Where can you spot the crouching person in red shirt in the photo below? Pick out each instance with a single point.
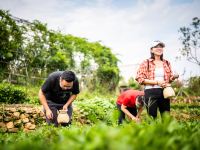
(130, 103)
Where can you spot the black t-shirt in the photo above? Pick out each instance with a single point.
(53, 92)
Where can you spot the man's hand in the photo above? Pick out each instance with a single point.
(49, 114)
(136, 119)
(65, 107)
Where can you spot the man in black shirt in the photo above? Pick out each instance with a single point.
(58, 92)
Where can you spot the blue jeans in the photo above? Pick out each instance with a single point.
(54, 107)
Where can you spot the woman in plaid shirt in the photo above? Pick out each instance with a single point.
(155, 74)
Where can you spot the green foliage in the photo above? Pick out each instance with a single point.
(96, 109)
(192, 88)
(37, 51)
(103, 133)
(157, 135)
(12, 95)
(59, 60)
(186, 113)
(108, 77)
(193, 85)
(11, 39)
(134, 84)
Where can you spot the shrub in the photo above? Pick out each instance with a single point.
(96, 109)
(193, 85)
(171, 134)
(12, 95)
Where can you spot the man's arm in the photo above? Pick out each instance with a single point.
(139, 112)
(123, 108)
(43, 101)
(71, 99)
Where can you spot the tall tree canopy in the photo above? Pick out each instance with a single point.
(30, 48)
(11, 40)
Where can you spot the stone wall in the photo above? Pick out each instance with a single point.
(16, 117)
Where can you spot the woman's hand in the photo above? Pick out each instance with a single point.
(162, 84)
(175, 76)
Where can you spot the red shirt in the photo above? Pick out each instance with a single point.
(128, 97)
(145, 73)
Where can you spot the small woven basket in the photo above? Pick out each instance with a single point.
(168, 92)
(63, 117)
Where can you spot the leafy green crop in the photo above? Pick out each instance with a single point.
(96, 109)
(167, 134)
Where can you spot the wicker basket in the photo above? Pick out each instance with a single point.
(62, 116)
(168, 92)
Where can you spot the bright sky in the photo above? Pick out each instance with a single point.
(126, 26)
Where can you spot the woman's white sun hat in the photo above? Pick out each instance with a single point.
(155, 43)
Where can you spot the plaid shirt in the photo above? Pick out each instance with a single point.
(148, 73)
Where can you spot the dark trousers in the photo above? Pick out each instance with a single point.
(154, 99)
(132, 110)
(54, 107)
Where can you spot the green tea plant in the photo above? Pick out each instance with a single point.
(96, 109)
(12, 95)
(166, 134)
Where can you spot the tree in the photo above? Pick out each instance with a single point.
(31, 49)
(11, 40)
(190, 39)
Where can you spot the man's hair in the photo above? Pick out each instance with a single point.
(140, 100)
(123, 88)
(68, 76)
